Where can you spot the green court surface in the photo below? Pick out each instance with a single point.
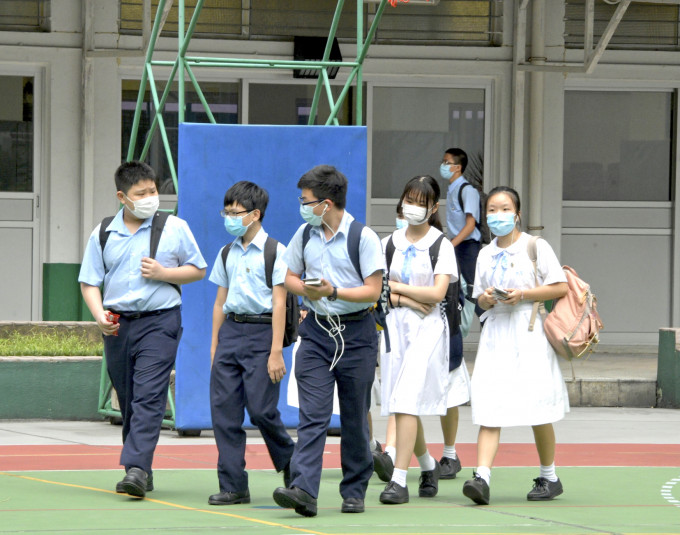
(596, 500)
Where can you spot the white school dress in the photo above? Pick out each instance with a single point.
(516, 379)
(415, 374)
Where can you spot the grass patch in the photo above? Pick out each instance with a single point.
(54, 344)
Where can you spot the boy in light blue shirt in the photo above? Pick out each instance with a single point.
(338, 343)
(247, 344)
(139, 311)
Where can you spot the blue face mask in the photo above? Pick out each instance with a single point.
(445, 171)
(501, 224)
(235, 226)
(401, 223)
(307, 213)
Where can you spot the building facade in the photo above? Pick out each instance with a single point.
(590, 139)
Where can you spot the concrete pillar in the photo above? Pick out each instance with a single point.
(668, 371)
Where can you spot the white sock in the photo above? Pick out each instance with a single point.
(392, 452)
(450, 452)
(485, 473)
(399, 477)
(548, 472)
(426, 462)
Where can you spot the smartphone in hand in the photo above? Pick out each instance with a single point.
(500, 294)
(312, 282)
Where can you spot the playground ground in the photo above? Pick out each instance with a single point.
(620, 468)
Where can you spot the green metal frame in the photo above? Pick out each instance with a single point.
(184, 64)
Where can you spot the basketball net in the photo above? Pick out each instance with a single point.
(393, 3)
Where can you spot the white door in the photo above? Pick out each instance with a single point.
(19, 197)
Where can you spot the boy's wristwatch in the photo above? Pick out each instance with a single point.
(334, 295)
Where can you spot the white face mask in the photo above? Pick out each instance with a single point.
(144, 208)
(415, 215)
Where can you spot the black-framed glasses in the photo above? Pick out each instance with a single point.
(303, 203)
(226, 213)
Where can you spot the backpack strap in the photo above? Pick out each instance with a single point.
(104, 235)
(353, 242)
(389, 254)
(269, 258)
(478, 224)
(225, 253)
(157, 224)
(434, 251)
(538, 306)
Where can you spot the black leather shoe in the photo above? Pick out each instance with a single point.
(295, 498)
(477, 490)
(394, 493)
(544, 489)
(230, 498)
(135, 482)
(149, 485)
(383, 466)
(286, 475)
(450, 467)
(428, 485)
(352, 505)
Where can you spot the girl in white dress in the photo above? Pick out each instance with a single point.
(415, 374)
(516, 379)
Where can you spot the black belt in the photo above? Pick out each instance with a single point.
(352, 316)
(250, 318)
(131, 315)
(469, 241)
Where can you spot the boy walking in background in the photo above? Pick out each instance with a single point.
(139, 311)
(247, 344)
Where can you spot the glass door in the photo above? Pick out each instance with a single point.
(19, 200)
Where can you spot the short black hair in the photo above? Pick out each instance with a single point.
(459, 157)
(130, 173)
(425, 187)
(326, 182)
(249, 195)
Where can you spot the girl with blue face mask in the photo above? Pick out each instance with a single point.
(517, 379)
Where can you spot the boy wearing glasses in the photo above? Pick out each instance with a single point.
(338, 340)
(247, 344)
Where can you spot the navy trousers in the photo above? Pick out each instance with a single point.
(466, 256)
(353, 375)
(139, 361)
(239, 380)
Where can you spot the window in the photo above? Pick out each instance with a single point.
(412, 127)
(643, 25)
(16, 134)
(24, 15)
(617, 146)
(467, 22)
(222, 98)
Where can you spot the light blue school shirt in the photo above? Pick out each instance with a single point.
(124, 287)
(245, 277)
(330, 260)
(455, 215)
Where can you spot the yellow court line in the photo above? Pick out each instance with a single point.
(170, 504)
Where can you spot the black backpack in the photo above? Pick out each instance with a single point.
(157, 225)
(290, 332)
(381, 307)
(453, 300)
(481, 224)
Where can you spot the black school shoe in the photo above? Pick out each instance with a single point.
(394, 494)
(477, 490)
(149, 485)
(352, 505)
(383, 466)
(450, 467)
(428, 484)
(230, 498)
(135, 482)
(295, 498)
(544, 490)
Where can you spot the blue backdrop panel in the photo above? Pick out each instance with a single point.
(211, 159)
